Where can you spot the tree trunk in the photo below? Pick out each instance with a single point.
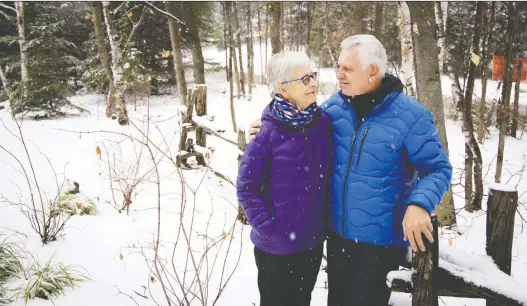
(501, 212)
(173, 28)
(429, 86)
(327, 38)
(471, 145)
(261, 51)
(24, 72)
(266, 32)
(515, 112)
(238, 30)
(8, 92)
(487, 54)
(407, 52)
(116, 95)
(250, 53)
(310, 9)
(441, 35)
(231, 85)
(195, 41)
(379, 7)
(225, 44)
(102, 49)
(506, 90)
(201, 110)
(275, 10)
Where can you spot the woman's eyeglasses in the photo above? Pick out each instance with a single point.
(305, 79)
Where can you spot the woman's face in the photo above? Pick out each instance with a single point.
(297, 92)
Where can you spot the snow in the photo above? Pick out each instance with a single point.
(96, 243)
(405, 275)
(502, 187)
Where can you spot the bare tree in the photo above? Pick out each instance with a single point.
(515, 112)
(250, 52)
(487, 54)
(407, 51)
(275, 10)
(225, 41)
(507, 88)
(261, 51)
(441, 15)
(189, 15)
(117, 94)
(238, 42)
(232, 59)
(429, 85)
(24, 72)
(102, 49)
(310, 11)
(174, 28)
(379, 7)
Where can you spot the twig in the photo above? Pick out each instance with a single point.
(125, 294)
(167, 14)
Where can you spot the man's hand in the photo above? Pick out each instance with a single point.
(254, 128)
(416, 222)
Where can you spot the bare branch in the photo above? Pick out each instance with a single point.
(7, 7)
(167, 14)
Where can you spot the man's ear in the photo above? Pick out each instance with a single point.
(374, 70)
(282, 90)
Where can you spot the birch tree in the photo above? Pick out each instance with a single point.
(407, 52)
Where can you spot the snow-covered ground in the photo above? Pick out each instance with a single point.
(107, 245)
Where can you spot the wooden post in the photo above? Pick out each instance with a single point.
(501, 210)
(201, 110)
(187, 119)
(242, 143)
(425, 278)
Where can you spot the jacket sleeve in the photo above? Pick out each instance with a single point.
(428, 157)
(250, 184)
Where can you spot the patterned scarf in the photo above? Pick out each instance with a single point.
(290, 114)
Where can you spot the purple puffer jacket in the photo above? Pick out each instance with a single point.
(283, 184)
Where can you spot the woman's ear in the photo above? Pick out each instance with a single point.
(282, 90)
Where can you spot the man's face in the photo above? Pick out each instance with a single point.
(352, 78)
(297, 92)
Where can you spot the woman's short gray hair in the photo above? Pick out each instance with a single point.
(370, 50)
(282, 65)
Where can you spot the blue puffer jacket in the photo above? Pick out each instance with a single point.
(391, 159)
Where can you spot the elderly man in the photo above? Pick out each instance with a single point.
(390, 171)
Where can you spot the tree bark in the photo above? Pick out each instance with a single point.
(275, 10)
(24, 71)
(501, 212)
(515, 112)
(117, 94)
(506, 90)
(425, 278)
(231, 85)
(441, 36)
(261, 51)
(201, 110)
(225, 41)
(197, 53)
(379, 7)
(238, 41)
(407, 51)
(8, 92)
(173, 28)
(250, 52)
(429, 86)
(102, 49)
(471, 145)
(310, 9)
(487, 54)
(266, 32)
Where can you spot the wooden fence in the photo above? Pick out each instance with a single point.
(427, 279)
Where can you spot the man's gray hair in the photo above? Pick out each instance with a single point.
(282, 65)
(370, 50)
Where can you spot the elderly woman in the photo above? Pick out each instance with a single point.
(283, 184)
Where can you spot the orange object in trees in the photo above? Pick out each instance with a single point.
(498, 68)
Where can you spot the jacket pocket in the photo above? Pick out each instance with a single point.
(362, 144)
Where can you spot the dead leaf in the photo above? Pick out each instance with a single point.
(475, 58)
(98, 152)
(166, 53)
(450, 242)
(79, 205)
(415, 29)
(404, 52)
(88, 17)
(152, 279)
(121, 256)
(224, 234)
(130, 14)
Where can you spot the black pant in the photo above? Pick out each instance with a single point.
(287, 280)
(357, 272)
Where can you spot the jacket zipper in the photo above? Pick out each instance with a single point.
(361, 144)
(344, 189)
